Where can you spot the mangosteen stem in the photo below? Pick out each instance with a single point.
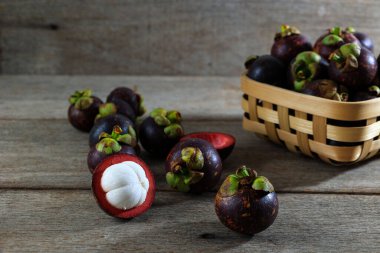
(110, 143)
(81, 99)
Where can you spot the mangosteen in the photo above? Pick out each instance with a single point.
(268, 69)
(246, 203)
(222, 142)
(325, 88)
(110, 144)
(364, 39)
(306, 67)
(289, 43)
(160, 131)
(250, 60)
(116, 105)
(193, 165)
(371, 93)
(123, 186)
(129, 96)
(106, 125)
(353, 66)
(83, 109)
(334, 38)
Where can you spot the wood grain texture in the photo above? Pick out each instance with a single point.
(67, 221)
(52, 154)
(160, 37)
(45, 97)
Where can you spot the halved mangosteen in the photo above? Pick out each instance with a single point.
(123, 186)
(222, 142)
(115, 143)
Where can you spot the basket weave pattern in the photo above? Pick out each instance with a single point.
(336, 132)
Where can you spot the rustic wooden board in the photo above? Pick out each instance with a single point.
(51, 154)
(160, 37)
(26, 97)
(67, 221)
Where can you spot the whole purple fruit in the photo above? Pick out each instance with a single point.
(160, 131)
(289, 43)
(353, 66)
(193, 165)
(246, 203)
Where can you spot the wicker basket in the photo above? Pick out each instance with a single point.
(337, 132)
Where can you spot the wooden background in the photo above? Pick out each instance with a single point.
(160, 37)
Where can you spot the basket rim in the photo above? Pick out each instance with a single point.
(351, 111)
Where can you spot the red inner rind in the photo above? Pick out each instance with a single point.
(217, 139)
(100, 195)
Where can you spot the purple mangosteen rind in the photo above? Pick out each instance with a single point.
(83, 109)
(288, 43)
(353, 66)
(246, 203)
(193, 165)
(161, 131)
(135, 100)
(326, 88)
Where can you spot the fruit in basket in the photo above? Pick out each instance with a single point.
(353, 66)
(83, 109)
(160, 131)
(332, 40)
(106, 125)
(250, 60)
(223, 143)
(268, 69)
(288, 43)
(325, 88)
(115, 143)
(246, 203)
(371, 93)
(306, 67)
(193, 165)
(130, 97)
(123, 186)
(364, 39)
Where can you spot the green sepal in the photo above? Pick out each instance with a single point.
(375, 90)
(142, 108)
(172, 179)
(350, 29)
(174, 116)
(81, 99)
(108, 146)
(331, 39)
(193, 158)
(173, 131)
(193, 177)
(105, 110)
(230, 186)
(350, 49)
(337, 30)
(157, 112)
(261, 183)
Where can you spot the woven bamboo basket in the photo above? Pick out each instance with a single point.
(339, 133)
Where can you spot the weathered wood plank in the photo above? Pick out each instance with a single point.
(160, 37)
(50, 153)
(36, 97)
(67, 221)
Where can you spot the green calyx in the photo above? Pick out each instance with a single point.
(337, 30)
(350, 29)
(106, 110)
(188, 171)
(346, 57)
(245, 177)
(142, 108)
(170, 120)
(81, 99)
(374, 90)
(111, 143)
(331, 40)
(287, 30)
(304, 68)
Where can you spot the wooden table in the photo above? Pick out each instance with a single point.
(46, 203)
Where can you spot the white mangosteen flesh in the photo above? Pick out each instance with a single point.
(125, 185)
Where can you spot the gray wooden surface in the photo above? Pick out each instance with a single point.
(46, 203)
(164, 37)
